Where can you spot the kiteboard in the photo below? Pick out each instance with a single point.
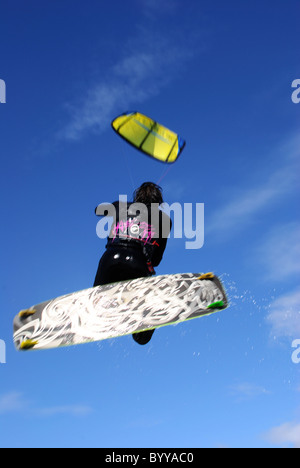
(118, 309)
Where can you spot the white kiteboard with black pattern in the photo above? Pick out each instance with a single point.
(118, 309)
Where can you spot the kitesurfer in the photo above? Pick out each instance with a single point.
(137, 241)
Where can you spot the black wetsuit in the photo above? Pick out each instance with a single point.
(135, 246)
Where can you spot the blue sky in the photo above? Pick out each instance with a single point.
(221, 74)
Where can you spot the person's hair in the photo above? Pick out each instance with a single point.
(148, 193)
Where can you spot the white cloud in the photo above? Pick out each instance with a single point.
(251, 201)
(15, 402)
(246, 390)
(286, 434)
(72, 410)
(11, 402)
(284, 315)
(143, 70)
(280, 252)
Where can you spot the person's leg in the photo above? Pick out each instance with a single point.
(143, 338)
(122, 265)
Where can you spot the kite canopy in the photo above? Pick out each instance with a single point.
(149, 136)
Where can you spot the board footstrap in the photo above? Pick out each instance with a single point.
(28, 344)
(26, 313)
(206, 276)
